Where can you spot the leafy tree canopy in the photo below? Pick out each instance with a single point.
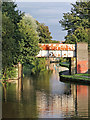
(8, 42)
(28, 41)
(43, 32)
(77, 23)
(10, 8)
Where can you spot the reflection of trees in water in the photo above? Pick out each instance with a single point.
(0, 100)
(41, 81)
(4, 92)
(21, 103)
(37, 99)
(9, 88)
(29, 98)
(67, 90)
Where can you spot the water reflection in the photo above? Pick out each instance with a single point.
(44, 96)
(0, 101)
(82, 100)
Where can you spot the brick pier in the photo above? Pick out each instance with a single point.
(82, 57)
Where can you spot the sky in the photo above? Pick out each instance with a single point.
(46, 1)
(49, 13)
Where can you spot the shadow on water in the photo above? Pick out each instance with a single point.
(44, 96)
(76, 83)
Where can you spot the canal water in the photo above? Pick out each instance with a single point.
(44, 96)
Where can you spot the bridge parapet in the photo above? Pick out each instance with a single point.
(53, 46)
(57, 50)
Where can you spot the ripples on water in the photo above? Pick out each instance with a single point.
(44, 96)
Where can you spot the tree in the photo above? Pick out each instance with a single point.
(10, 8)
(8, 43)
(28, 40)
(77, 23)
(10, 38)
(11, 11)
(54, 41)
(43, 32)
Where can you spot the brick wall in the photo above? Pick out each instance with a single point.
(82, 57)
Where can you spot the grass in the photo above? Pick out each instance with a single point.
(64, 65)
(83, 74)
(77, 77)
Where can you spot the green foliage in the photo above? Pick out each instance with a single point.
(37, 65)
(10, 72)
(43, 32)
(64, 64)
(28, 41)
(54, 41)
(10, 38)
(8, 42)
(20, 37)
(77, 23)
(30, 21)
(64, 59)
(10, 8)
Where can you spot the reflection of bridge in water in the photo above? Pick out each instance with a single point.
(56, 68)
(75, 102)
(45, 96)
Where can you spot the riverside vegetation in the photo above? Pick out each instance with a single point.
(21, 34)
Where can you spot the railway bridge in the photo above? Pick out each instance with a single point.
(77, 53)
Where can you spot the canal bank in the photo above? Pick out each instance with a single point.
(83, 78)
(77, 78)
